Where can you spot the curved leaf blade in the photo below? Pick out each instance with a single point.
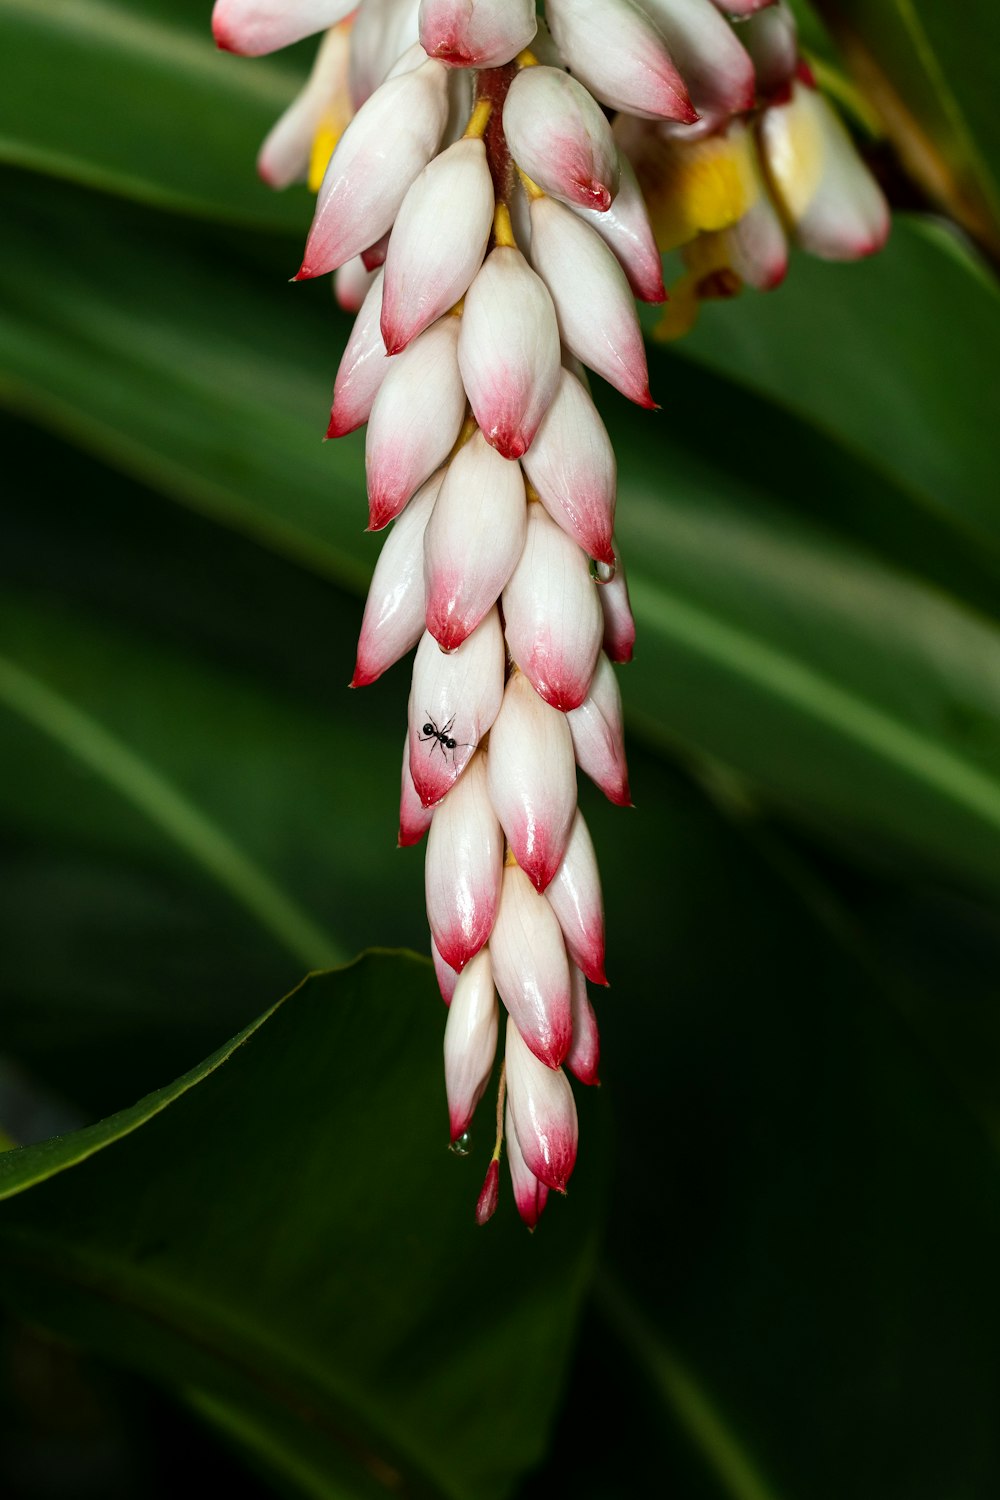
(230, 1236)
(178, 125)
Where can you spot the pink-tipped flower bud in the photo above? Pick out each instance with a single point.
(596, 312)
(712, 62)
(509, 350)
(754, 247)
(619, 625)
(384, 31)
(574, 894)
(476, 33)
(394, 614)
(325, 101)
(552, 614)
(351, 285)
(254, 27)
(561, 138)
(454, 699)
(530, 969)
(621, 57)
(627, 232)
(438, 241)
(771, 38)
(824, 190)
(473, 540)
(375, 255)
(462, 870)
(544, 1113)
(446, 977)
(571, 464)
(530, 1195)
(598, 735)
(532, 779)
(489, 1194)
(414, 817)
(387, 144)
(363, 367)
(470, 1041)
(415, 419)
(741, 8)
(584, 1057)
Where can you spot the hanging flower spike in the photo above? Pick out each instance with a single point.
(489, 228)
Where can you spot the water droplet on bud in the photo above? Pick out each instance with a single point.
(463, 1145)
(602, 572)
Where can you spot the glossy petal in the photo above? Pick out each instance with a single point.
(470, 1041)
(383, 150)
(473, 541)
(756, 248)
(509, 351)
(254, 27)
(771, 38)
(351, 285)
(712, 61)
(575, 896)
(489, 1194)
(561, 138)
(826, 193)
(462, 871)
(476, 33)
(374, 256)
(414, 817)
(362, 369)
(620, 56)
(597, 318)
(415, 419)
(597, 732)
(394, 614)
(325, 100)
(530, 1195)
(530, 969)
(438, 242)
(741, 8)
(384, 31)
(619, 625)
(626, 230)
(552, 614)
(571, 464)
(544, 1113)
(532, 779)
(446, 977)
(463, 690)
(584, 1057)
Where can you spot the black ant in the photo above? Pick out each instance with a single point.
(441, 736)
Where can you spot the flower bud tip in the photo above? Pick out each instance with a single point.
(489, 1194)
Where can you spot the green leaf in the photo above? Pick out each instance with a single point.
(178, 125)
(930, 73)
(805, 1217)
(912, 330)
(283, 1236)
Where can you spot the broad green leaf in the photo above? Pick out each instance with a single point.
(929, 69)
(894, 358)
(283, 1237)
(805, 1221)
(131, 96)
(112, 911)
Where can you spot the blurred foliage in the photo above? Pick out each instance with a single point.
(774, 1274)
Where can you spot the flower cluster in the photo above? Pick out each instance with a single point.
(486, 224)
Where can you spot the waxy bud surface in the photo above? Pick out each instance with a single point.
(531, 970)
